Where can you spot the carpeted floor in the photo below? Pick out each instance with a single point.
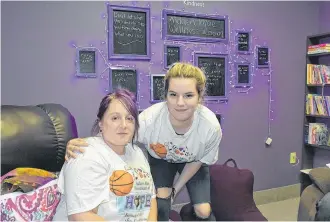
(285, 210)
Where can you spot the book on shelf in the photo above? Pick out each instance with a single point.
(318, 74)
(316, 134)
(317, 105)
(320, 48)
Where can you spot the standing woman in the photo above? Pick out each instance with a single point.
(181, 135)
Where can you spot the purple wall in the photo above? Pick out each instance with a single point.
(38, 65)
(324, 17)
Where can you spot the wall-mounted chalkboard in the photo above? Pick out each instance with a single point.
(123, 78)
(157, 88)
(194, 27)
(262, 57)
(243, 42)
(129, 32)
(215, 69)
(243, 75)
(86, 63)
(172, 54)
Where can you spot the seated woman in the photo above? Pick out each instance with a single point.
(111, 180)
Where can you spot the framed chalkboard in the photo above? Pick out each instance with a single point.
(86, 62)
(194, 27)
(157, 88)
(243, 74)
(172, 54)
(123, 78)
(215, 68)
(243, 42)
(129, 32)
(262, 57)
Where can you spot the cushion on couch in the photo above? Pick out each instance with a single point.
(321, 178)
(25, 179)
(37, 205)
(307, 204)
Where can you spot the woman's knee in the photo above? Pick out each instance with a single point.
(202, 210)
(164, 192)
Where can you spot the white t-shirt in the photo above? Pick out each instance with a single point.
(94, 178)
(200, 143)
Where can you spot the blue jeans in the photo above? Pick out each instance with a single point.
(163, 174)
(323, 209)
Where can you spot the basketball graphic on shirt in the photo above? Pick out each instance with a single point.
(121, 182)
(159, 149)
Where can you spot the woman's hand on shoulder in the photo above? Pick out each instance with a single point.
(73, 146)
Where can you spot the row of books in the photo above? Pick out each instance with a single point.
(316, 134)
(320, 48)
(317, 105)
(318, 74)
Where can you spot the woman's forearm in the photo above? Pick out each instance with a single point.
(153, 210)
(86, 216)
(188, 172)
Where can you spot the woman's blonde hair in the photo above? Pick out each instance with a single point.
(186, 70)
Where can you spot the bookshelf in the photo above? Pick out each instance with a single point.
(308, 151)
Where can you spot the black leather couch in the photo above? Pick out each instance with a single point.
(35, 136)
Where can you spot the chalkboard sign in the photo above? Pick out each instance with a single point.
(243, 42)
(214, 67)
(123, 78)
(262, 57)
(172, 55)
(243, 74)
(157, 87)
(194, 27)
(129, 33)
(86, 63)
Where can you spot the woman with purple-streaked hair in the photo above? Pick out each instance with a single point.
(111, 180)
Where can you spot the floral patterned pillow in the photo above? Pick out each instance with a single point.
(39, 204)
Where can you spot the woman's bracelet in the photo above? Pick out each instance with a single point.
(173, 192)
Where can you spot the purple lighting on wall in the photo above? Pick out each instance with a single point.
(189, 49)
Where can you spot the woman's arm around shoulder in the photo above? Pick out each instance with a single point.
(86, 216)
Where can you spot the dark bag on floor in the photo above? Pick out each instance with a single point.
(232, 193)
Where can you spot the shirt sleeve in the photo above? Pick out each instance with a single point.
(212, 147)
(85, 185)
(142, 128)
